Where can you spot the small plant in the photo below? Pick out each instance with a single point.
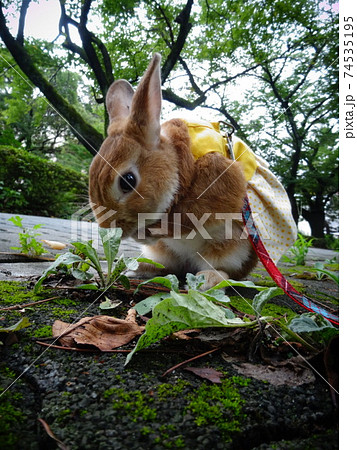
(27, 237)
(299, 251)
(321, 272)
(83, 257)
(174, 311)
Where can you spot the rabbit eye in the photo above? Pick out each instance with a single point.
(127, 182)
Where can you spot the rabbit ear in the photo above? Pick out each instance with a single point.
(119, 99)
(146, 106)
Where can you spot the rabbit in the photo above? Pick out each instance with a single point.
(144, 167)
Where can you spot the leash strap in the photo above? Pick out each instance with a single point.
(275, 273)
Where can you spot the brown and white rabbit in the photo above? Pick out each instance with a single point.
(144, 167)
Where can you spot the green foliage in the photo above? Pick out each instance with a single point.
(28, 119)
(37, 186)
(84, 256)
(332, 242)
(196, 309)
(270, 309)
(43, 332)
(263, 297)
(176, 311)
(321, 271)
(27, 237)
(299, 250)
(313, 328)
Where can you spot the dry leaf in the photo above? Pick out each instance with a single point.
(184, 335)
(48, 430)
(104, 332)
(292, 375)
(205, 372)
(55, 245)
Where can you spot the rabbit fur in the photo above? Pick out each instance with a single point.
(145, 167)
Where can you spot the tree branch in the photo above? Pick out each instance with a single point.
(185, 27)
(23, 11)
(168, 95)
(84, 132)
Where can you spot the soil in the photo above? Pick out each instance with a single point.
(87, 399)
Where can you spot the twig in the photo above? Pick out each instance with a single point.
(183, 363)
(48, 430)
(26, 305)
(96, 350)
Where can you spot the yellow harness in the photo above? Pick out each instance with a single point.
(206, 138)
(267, 197)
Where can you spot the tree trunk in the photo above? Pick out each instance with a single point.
(290, 190)
(85, 133)
(316, 219)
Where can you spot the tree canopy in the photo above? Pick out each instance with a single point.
(269, 67)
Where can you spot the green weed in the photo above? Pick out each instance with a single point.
(299, 250)
(29, 245)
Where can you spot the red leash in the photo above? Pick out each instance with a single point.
(275, 273)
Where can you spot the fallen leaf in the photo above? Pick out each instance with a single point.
(184, 335)
(55, 245)
(277, 375)
(207, 373)
(48, 430)
(22, 323)
(104, 332)
(109, 304)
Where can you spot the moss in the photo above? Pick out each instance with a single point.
(170, 390)
(219, 405)
(62, 313)
(16, 292)
(269, 309)
(64, 415)
(334, 267)
(42, 332)
(134, 403)
(11, 415)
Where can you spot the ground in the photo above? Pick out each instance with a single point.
(90, 400)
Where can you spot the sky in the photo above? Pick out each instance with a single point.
(41, 19)
(49, 10)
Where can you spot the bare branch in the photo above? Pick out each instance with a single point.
(185, 26)
(23, 12)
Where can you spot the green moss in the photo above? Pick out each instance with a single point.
(334, 267)
(62, 313)
(145, 430)
(11, 415)
(14, 292)
(64, 415)
(219, 405)
(134, 403)
(170, 390)
(42, 332)
(270, 309)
